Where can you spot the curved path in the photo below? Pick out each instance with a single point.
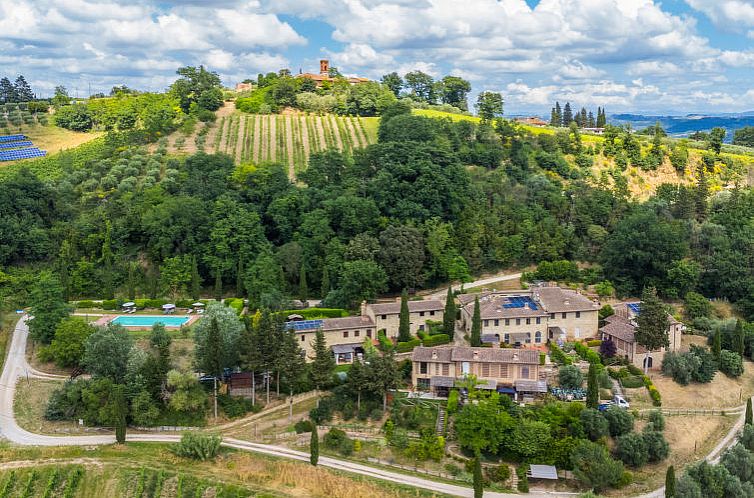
(17, 367)
(440, 293)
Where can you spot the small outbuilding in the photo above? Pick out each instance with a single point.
(542, 472)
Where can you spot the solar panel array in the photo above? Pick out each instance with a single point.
(12, 138)
(15, 145)
(14, 155)
(304, 325)
(635, 307)
(520, 302)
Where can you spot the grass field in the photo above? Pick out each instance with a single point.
(285, 138)
(53, 139)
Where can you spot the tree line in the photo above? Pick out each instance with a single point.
(583, 118)
(15, 92)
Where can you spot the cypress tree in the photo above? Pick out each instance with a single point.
(670, 482)
(740, 338)
(239, 278)
(449, 316)
(716, 345)
(554, 119)
(218, 285)
(303, 287)
(592, 388)
(478, 481)
(119, 413)
(195, 279)
(131, 281)
(314, 445)
(476, 325)
(748, 420)
(559, 115)
(107, 263)
(404, 324)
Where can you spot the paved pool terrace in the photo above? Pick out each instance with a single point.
(146, 321)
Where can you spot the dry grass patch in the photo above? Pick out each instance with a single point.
(29, 407)
(54, 139)
(691, 438)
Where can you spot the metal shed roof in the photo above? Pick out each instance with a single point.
(542, 472)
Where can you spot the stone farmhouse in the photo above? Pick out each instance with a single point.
(505, 370)
(532, 317)
(345, 336)
(620, 329)
(324, 75)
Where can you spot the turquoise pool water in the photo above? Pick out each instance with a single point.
(148, 320)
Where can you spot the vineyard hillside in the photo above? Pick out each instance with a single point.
(285, 138)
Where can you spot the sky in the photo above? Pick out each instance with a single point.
(670, 57)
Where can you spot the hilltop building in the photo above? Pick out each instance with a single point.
(532, 121)
(324, 75)
(533, 316)
(620, 329)
(345, 336)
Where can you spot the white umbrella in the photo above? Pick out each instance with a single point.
(196, 304)
(168, 306)
(128, 304)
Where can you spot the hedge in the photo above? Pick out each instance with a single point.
(405, 347)
(632, 382)
(436, 340)
(236, 303)
(594, 343)
(109, 304)
(558, 355)
(87, 304)
(314, 313)
(586, 353)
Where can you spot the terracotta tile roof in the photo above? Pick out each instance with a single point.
(441, 355)
(557, 300)
(486, 355)
(394, 308)
(619, 327)
(348, 322)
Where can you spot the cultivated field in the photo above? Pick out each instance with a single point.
(285, 138)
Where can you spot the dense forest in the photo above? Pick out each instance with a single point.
(433, 201)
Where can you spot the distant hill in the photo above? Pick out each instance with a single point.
(680, 126)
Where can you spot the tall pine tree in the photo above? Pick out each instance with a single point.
(323, 364)
(567, 114)
(23, 92)
(404, 319)
(476, 325)
(558, 115)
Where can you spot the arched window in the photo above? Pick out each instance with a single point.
(528, 338)
(648, 362)
(538, 337)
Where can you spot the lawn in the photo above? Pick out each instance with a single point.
(29, 406)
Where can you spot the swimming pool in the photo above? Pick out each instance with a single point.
(149, 320)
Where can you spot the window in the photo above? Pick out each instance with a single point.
(552, 316)
(518, 321)
(538, 337)
(564, 316)
(356, 333)
(528, 321)
(445, 369)
(303, 338)
(539, 320)
(369, 333)
(486, 323)
(485, 369)
(497, 323)
(528, 338)
(507, 321)
(466, 368)
(503, 371)
(383, 317)
(422, 384)
(423, 367)
(437, 369)
(507, 338)
(421, 313)
(431, 313)
(578, 314)
(345, 333)
(421, 327)
(524, 372)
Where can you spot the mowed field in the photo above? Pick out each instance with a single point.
(287, 138)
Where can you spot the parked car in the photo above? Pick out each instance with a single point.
(617, 400)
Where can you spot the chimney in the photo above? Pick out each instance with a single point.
(515, 356)
(476, 355)
(434, 354)
(324, 67)
(363, 308)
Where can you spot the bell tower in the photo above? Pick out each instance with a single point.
(324, 67)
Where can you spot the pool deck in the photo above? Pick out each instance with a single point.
(105, 319)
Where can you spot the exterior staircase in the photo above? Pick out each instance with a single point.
(440, 425)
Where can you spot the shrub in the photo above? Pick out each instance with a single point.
(86, 304)
(595, 425)
(593, 467)
(405, 347)
(500, 474)
(337, 440)
(656, 421)
(632, 382)
(570, 377)
(619, 420)
(304, 426)
(109, 304)
(731, 363)
(697, 306)
(452, 402)
(558, 356)
(523, 479)
(586, 353)
(141, 303)
(657, 448)
(198, 446)
(655, 395)
(234, 406)
(594, 343)
(632, 450)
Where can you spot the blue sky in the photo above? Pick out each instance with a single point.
(671, 56)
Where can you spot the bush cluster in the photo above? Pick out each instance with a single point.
(198, 446)
(558, 356)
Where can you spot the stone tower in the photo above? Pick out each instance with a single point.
(324, 67)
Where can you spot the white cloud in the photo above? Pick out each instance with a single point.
(726, 14)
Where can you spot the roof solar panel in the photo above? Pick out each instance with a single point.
(635, 307)
(305, 325)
